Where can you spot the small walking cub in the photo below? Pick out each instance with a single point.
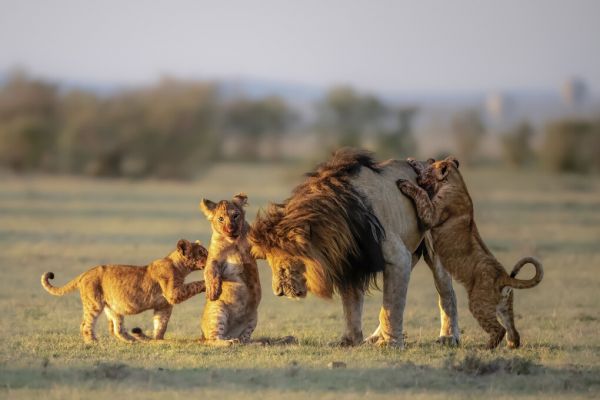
(443, 205)
(232, 283)
(127, 290)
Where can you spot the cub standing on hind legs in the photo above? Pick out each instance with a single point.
(126, 290)
(443, 205)
(232, 284)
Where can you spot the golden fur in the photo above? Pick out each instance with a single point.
(342, 226)
(232, 283)
(444, 205)
(329, 230)
(126, 290)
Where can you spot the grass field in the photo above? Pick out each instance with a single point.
(66, 225)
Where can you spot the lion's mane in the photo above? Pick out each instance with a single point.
(327, 224)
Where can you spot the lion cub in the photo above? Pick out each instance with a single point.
(232, 284)
(126, 290)
(443, 204)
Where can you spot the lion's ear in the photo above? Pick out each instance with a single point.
(430, 161)
(184, 247)
(240, 200)
(208, 208)
(452, 160)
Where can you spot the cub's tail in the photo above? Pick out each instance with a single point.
(58, 291)
(525, 283)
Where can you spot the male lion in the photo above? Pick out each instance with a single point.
(126, 290)
(345, 223)
(232, 283)
(444, 205)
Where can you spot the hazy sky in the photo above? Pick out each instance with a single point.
(390, 46)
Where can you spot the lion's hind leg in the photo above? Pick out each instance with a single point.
(505, 313)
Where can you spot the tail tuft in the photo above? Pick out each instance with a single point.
(50, 275)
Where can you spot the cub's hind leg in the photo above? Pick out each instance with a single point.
(161, 320)
(92, 307)
(247, 332)
(215, 325)
(484, 310)
(506, 316)
(118, 329)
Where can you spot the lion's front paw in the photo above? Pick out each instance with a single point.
(347, 341)
(448, 341)
(381, 341)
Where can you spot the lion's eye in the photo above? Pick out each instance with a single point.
(221, 219)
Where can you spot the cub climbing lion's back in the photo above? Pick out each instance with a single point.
(126, 290)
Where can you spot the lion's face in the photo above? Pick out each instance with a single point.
(288, 276)
(435, 175)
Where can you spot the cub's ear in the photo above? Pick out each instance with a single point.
(441, 171)
(208, 208)
(184, 247)
(240, 199)
(430, 161)
(453, 160)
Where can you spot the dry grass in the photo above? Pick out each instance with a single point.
(66, 225)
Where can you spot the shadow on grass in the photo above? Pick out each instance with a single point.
(468, 375)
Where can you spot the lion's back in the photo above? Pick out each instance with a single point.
(395, 212)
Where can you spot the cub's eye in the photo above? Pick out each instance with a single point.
(221, 219)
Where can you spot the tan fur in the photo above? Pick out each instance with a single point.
(127, 290)
(232, 283)
(444, 205)
(342, 226)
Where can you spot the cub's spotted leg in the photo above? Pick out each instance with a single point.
(92, 307)
(214, 328)
(118, 328)
(484, 312)
(505, 313)
(247, 332)
(88, 325)
(111, 327)
(161, 320)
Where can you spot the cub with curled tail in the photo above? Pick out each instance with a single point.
(126, 290)
(232, 284)
(443, 205)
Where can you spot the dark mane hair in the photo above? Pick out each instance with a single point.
(329, 225)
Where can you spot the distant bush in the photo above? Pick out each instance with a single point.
(572, 145)
(516, 145)
(468, 129)
(28, 123)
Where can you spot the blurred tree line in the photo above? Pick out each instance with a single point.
(174, 128)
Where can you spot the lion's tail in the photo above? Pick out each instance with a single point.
(58, 291)
(525, 283)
